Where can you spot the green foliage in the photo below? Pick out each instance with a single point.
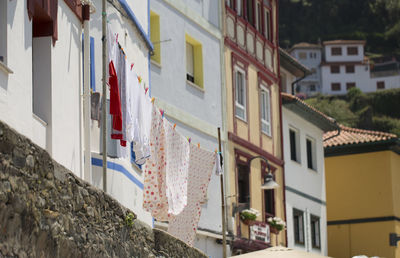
(377, 21)
(129, 219)
(248, 216)
(374, 111)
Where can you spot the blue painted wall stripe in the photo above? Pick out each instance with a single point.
(132, 16)
(117, 167)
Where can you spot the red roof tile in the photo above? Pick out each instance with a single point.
(350, 136)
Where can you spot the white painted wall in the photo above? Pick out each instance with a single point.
(303, 179)
(313, 63)
(196, 112)
(16, 88)
(391, 82)
(344, 57)
(360, 77)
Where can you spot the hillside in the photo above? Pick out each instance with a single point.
(378, 111)
(377, 21)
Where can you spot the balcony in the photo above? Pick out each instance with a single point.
(243, 35)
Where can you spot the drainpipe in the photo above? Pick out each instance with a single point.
(339, 129)
(86, 93)
(296, 81)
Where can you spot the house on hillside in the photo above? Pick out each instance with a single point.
(310, 55)
(362, 192)
(385, 72)
(253, 113)
(186, 82)
(41, 81)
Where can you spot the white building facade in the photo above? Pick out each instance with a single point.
(186, 80)
(303, 128)
(310, 55)
(41, 81)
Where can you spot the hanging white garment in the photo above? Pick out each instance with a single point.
(202, 163)
(177, 152)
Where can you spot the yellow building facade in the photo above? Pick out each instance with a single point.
(254, 117)
(363, 193)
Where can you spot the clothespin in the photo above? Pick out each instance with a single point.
(174, 126)
(132, 66)
(145, 90)
(162, 112)
(198, 145)
(189, 139)
(139, 79)
(116, 38)
(215, 151)
(152, 99)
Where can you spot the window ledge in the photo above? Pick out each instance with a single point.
(195, 86)
(5, 68)
(266, 134)
(312, 170)
(296, 162)
(155, 63)
(39, 119)
(241, 119)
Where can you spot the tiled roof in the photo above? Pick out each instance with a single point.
(352, 136)
(344, 42)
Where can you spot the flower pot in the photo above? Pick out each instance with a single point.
(248, 222)
(273, 230)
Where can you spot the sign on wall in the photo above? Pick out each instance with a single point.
(260, 232)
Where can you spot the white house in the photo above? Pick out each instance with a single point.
(344, 67)
(385, 73)
(303, 129)
(186, 80)
(41, 81)
(310, 55)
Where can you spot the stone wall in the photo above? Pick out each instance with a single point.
(46, 211)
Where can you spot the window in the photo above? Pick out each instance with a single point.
(265, 105)
(230, 3)
(352, 51)
(240, 94)
(250, 12)
(315, 232)
(336, 51)
(311, 154)
(259, 16)
(267, 25)
(313, 55)
(313, 70)
(313, 87)
(243, 184)
(302, 55)
(335, 86)
(155, 36)
(335, 68)
(380, 85)
(350, 85)
(194, 61)
(294, 145)
(350, 69)
(298, 226)
(3, 31)
(239, 7)
(269, 203)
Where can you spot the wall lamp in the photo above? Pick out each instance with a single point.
(269, 182)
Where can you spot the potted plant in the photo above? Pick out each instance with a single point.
(248, 216)
(276, 224)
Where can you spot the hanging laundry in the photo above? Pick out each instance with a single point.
(154, 191)
(202, 163)
(121, 74)
(177, 152)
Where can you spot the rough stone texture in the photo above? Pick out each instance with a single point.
(46, 211)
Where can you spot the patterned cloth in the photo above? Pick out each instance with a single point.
(202, 163)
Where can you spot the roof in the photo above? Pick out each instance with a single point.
(308, 112)
(344, 42)
(292, 64)
(352, 136)
(305, 45)
(280, 251)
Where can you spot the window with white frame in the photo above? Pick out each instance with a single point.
(267, 24)
(3, 31)
(189, 62)
(259, 16)
(311, 154)
(298, 226)
(294, 137)
(315, 232)
(240, 94)
(265, 105)
(239, 7)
